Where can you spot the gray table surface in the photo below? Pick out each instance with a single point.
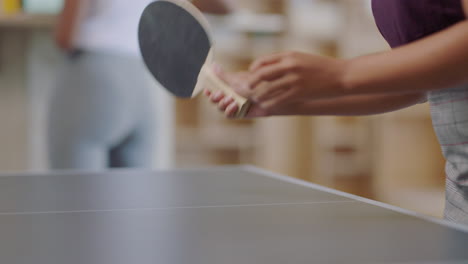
(238, 215)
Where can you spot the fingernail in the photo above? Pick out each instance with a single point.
(231, 110)
(227, 99)
(217, 95)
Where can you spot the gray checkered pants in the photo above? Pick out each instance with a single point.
(449, 109)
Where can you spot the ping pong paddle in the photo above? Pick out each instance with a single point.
(177, 49)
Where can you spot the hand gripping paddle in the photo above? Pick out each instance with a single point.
(178, 51)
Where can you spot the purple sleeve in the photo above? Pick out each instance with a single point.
(404, 21)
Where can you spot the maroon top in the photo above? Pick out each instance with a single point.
(404, 21)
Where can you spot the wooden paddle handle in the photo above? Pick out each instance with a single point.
(213, 83)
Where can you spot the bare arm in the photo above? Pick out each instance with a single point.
(353, 105)
(278, 84)
(213, 6)
(436, 62)
(359, 105)
(68, 20)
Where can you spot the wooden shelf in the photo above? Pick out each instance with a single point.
(27, 21)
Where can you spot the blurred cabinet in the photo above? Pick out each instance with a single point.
(264, 6)
(409, 166)
(26, 22)
(13, 114)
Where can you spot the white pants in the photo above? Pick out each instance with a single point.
(101, 114)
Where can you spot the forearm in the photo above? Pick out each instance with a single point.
(213, 6)
(67, 23)
(436, 62)
(359, 105)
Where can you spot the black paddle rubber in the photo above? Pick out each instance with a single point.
(174, 46)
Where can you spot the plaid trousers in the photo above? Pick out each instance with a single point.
(449, 110)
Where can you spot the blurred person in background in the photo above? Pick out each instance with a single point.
(102, 112)
(429, 62)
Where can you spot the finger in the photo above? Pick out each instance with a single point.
(256, 111)
(237, 81)
(207, 92)
(266, 60)
(219, 71)
(268, 90)
(217, 97)
(241, 88)
(231, 110)
(275, 103)
(267, 73)
(228, 78)
(225, 103)
(257, 99)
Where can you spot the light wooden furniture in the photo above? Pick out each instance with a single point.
(27, 21)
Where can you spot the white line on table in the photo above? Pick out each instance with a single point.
(172, 208)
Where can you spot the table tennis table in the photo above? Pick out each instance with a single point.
(221, 215)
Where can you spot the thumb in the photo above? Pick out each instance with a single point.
(237, 81)
(219, 71)
(256, 111)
